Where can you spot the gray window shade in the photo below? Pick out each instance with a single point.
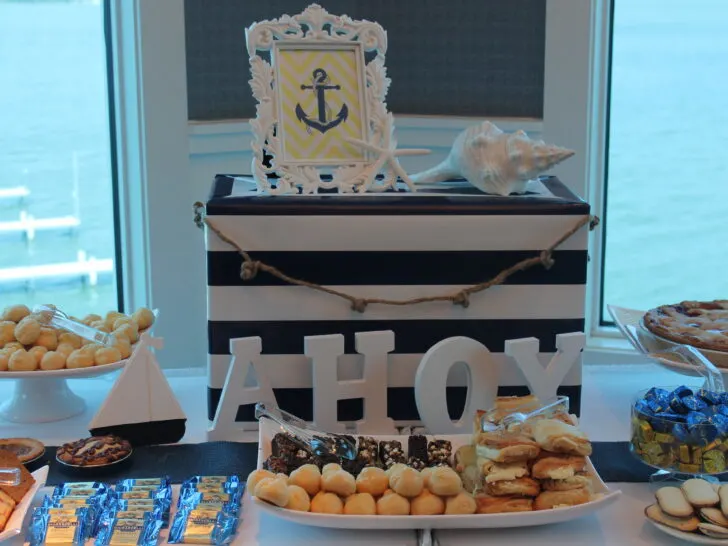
(445, 57)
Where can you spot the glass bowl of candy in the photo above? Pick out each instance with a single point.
(680, 430)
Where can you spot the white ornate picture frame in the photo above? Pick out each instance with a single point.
(314, 37)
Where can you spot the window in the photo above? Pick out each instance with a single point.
(667, 178)
(57, 226)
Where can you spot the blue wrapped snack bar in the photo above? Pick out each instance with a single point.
(145, 483)
(124, 532)
(202, 526)
(57, 527)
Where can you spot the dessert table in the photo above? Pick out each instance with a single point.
(622, 523)
(608, 391)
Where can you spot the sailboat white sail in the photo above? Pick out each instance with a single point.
(141, 406)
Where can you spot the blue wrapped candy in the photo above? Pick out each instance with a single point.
(722, 409)
(681, 392)
(663, 422)
(655, 392)
(694, 403)
(681, 433)
(704, 433)
(721, 423)
(709, 397)
(660, 404)
(695, 418)
(643, 407)
(677, 405)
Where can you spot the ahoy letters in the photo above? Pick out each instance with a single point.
(247, 383)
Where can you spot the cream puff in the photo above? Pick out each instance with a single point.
(255, 476)
(360, 504)
(272, 490)
(393, 504)
(372, 480)
(27, 331)
(427, 504)
(407, 482)
(298, 499)
(339, 482)
(15, 313)
(53, 360)
(308, 477)
(462, 503)
(327, 503)
(444, 481)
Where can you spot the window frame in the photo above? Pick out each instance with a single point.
(576, 102)
(155, 144)
(151, 136)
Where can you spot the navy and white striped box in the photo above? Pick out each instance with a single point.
(391, 246)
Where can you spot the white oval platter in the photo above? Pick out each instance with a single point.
(603, 497)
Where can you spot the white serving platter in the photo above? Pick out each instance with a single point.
(603, 497)
(695, 538)
(14, 525)
(632, 319)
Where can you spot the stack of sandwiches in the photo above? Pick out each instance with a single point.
(537, 465)
(11, 495)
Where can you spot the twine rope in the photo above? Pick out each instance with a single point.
(251, 267)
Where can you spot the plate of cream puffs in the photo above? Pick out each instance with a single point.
(534, 474)
(30, 349)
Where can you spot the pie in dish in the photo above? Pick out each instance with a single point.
(702, 324)
(94, 451)
(25, 449)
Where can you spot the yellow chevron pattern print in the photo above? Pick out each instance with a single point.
(312, 122)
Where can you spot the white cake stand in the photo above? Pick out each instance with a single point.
(44, 396)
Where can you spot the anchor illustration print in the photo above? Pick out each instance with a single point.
(321, 102)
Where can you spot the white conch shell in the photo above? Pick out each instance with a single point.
(493, 161)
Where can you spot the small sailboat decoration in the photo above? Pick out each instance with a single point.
(494, 161)
(141, 406)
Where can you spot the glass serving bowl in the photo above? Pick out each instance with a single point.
(682, 440)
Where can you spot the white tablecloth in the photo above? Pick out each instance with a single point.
(621, 524)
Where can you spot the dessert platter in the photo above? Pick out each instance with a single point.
(16, 499)
(40, 353)
(531, 473)
(703, 325)
(693, 511)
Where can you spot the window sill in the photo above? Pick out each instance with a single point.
(606, 399)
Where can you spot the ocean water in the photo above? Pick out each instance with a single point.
(667, 197)
(54, 140)
(668, 175)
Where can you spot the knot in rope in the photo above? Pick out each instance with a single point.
(199, 210)
(249, 269)
(358, 305)
(593, 222)
(546, 259)
(462, 298)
